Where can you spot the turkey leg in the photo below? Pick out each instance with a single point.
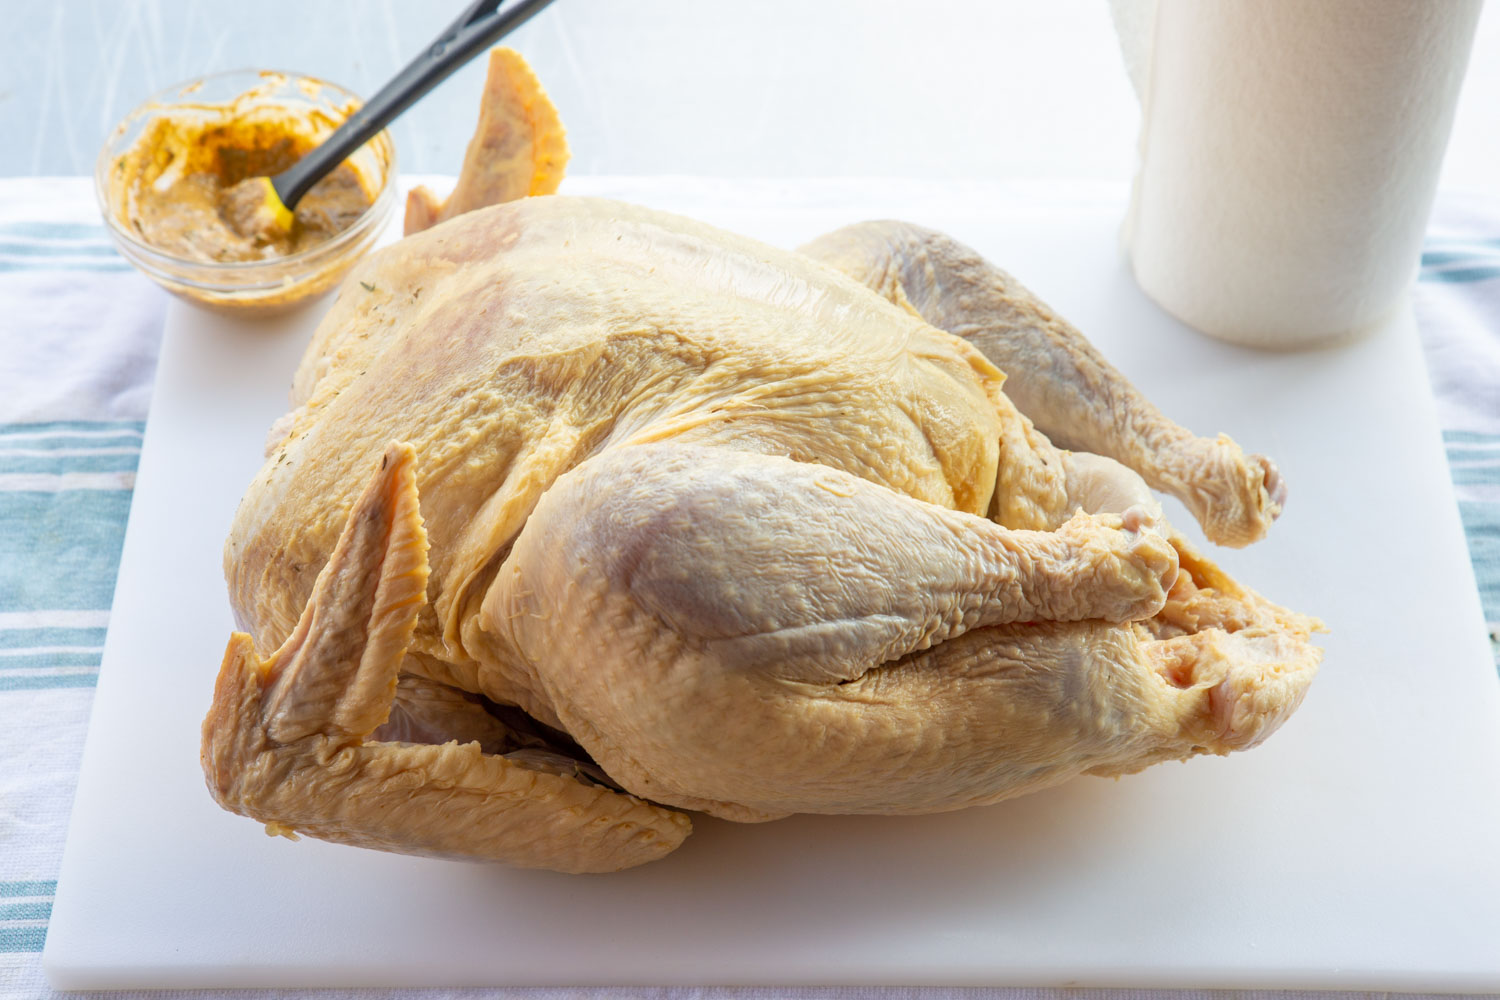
(699, 618)
(1056, 377)
(740, 633)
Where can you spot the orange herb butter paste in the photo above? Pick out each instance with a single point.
(171, 185)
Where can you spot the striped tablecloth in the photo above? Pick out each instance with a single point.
(78, 336)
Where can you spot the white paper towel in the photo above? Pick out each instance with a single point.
(1289, 156)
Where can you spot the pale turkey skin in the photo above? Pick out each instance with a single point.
(758, 539)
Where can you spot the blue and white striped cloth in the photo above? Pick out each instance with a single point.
(78, 334)
(78, 337)
(1458, 312)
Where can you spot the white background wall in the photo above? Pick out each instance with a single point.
(925, 88)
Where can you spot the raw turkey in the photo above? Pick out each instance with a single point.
(587, 516)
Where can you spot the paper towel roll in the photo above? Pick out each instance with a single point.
(1289, 157)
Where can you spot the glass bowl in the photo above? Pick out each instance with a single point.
(253, 287)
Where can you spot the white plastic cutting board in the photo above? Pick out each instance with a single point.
(1355, 850)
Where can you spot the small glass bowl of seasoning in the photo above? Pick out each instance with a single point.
(162, 173)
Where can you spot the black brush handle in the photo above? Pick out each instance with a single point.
(477, 28)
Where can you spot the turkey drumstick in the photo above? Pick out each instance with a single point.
(1057, 378)
(658, 595)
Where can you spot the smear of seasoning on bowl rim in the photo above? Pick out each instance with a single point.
(169, 186)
